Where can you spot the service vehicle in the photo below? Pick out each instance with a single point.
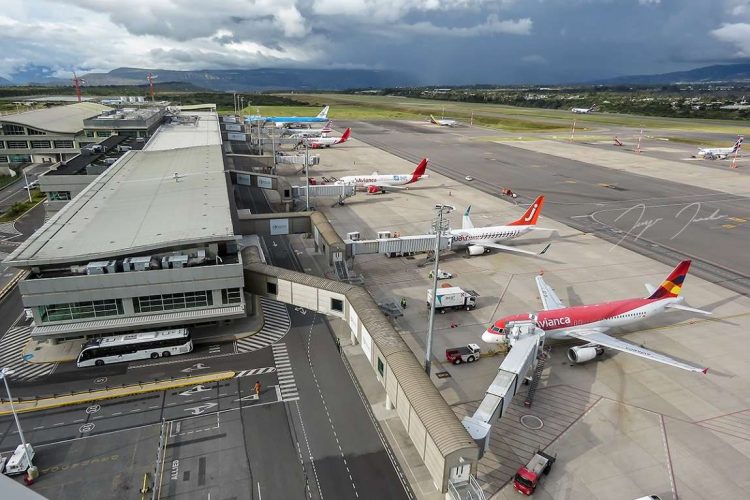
(31, 185)
(18, 463)
(527, 476)
(441, 275)
(464, 354)
(134, 346)
(453, 297)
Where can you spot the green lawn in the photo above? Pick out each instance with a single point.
(7, 179)
(19, 208)
(513, 118)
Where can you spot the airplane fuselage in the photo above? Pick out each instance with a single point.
(369, 180)
(479, 235)
(601, 317)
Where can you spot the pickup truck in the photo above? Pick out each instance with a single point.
(441, 275)
(527, 476)
(458, 355)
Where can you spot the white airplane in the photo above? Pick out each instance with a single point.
(302, 133)
(443, 122)
(479, 240)
(281, 121)
(326, 142)
(584, 111)
(589, 322)
(719, 153)
(375, 183)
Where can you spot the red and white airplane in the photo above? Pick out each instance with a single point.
(444, 122)
(589, 322)
(327, 142)
(379, 183)
(479, 240)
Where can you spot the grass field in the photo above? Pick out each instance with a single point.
(512, 118)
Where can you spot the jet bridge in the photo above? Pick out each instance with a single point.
(527, 341)
(394, 247)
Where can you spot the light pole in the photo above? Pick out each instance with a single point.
(307, 178)
(28, 189)
(439, 229)
(32, 471)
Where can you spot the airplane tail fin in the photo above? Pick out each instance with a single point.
(433, 120)
(345, 135)
(672, 285)
(531, 215)
(738, 144)
(419, 171)
(466, 221)
(324, 113)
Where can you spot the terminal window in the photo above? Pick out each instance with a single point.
(10, 129)
(231, 296)
(103, 133)
(337, 305)
(58, 195)
(89, 133)
(64, 144)
(40, 144)
(18, 145)
(33, 131)
(271, 288)
(169, 301)
(80, 310)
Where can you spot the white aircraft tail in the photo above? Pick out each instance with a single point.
(738, 144)
(466, 221)
(324, 113)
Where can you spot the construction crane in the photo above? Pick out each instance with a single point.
(150, 77)
(77, 82)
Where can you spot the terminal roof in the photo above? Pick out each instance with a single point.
(61, 119)
(146, 201)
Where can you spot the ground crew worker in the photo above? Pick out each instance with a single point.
(258, 387)
(403, 302)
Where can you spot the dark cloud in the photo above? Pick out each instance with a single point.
(442, 41)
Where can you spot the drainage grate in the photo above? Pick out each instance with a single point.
(442, 375)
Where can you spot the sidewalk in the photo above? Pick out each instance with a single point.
(388, 420)
(118, 392)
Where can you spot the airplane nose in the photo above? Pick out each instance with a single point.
(489, 338)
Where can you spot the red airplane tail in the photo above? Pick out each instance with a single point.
(531, 215)
(419, 171)
(345, 136)
(672, 285)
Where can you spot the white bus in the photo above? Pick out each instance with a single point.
(134, 346)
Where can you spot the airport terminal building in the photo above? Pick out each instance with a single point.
(149, 244)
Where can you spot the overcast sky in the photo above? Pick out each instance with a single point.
(440, 41)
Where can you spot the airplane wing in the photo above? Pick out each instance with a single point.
(602, 339)
(550, 300)
(512, 249)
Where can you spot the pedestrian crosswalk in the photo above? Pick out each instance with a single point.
(11, 356)
(284, 373)
(255, 371)
(8, 230)
(276, 324)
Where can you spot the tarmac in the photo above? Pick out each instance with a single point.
(622, 427)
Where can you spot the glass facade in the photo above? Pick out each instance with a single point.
(10, 129)
(170, 301)
(33, 131)
(64, 144)
(18, 145)
(58, 195)
(40, 144)
(80, 310)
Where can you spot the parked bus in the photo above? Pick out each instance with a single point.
(133, 346)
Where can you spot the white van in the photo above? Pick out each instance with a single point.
(31, 185)
(17, 463)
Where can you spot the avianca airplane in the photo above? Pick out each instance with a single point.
(479, 240)
(280, 121)
(379, 183)
(327, 142)
(584, 111)
(720, 153)
(443, 122)
(588, 323)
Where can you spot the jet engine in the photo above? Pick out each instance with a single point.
(374, 190)
(581, 354)
(476, 249)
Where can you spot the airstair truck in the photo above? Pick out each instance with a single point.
(452, 298)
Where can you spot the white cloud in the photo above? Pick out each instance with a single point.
(737, 34)
(649, 2)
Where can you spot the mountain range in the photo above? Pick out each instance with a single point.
(242, 80)
(706, 74)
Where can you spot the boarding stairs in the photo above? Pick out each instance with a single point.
(544, 355)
